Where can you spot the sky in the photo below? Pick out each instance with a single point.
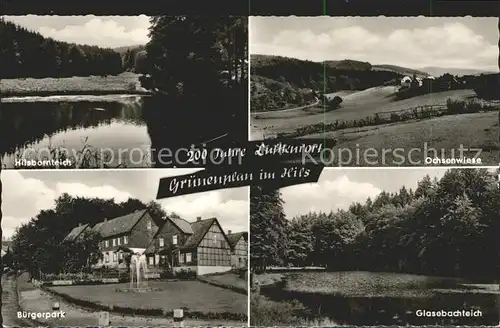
(102, 31)
(413, 42)
(338, 189)
(25, 193)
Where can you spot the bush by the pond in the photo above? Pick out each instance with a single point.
(88, 157)
(266, 313)
(452, 107)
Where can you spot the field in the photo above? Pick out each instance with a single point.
(193, 296)
(354, 106)
(392, 141)
(92, 85)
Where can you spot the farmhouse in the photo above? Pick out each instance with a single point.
(239, 249)
(200, 246)
(169, 244)
(132, 231)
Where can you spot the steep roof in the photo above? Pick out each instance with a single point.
(200, 229)
(77, 231)
(235, 237)
(6, 244)
(119, 225)
(182, 224)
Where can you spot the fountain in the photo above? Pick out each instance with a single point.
(138, 275)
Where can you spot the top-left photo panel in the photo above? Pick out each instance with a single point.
(97, 92)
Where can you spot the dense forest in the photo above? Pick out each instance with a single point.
(446, 227)
(133, 58)
(326, 77)
(24, 53)
(200, 64)
(38, 244)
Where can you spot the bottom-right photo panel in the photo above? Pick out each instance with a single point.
(417, 246)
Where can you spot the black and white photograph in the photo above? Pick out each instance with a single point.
(396, 84)
(98, 246)
(394, 247)
(120, 91)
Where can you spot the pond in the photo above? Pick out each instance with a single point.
(100, 131)
(367, 298)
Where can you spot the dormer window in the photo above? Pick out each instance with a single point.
(174, 239)
(161, 242)
(149, 225)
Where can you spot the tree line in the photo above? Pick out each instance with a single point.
(326, 77)
(25, 53)
(446, 227)
(39, 246)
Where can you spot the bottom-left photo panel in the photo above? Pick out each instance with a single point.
(96, 248)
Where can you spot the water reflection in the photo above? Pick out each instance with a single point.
(31, 128)
(127, 132)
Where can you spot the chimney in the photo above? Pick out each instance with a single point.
(80, 224)
(198, 218)
(229, 232)
(105, 219)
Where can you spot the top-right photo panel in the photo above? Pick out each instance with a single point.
(385, 91)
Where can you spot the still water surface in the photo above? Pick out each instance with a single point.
(370, 298)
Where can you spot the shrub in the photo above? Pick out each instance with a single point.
(185, 274)
(265, 313)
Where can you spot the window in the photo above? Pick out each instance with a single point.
(106, 243)
(151, 260)
(118, 240)
(114, 257)
(125, 240)
(174, 239)
(120, 256)
(149, 226)
(181, 258)
(106, 257)
(157, 258)
(161, 242)
(188, 257)
(114, 242)
(215, 238)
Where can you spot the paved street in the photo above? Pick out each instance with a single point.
(10, 304)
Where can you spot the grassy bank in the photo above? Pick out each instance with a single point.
(229, 281)
(125, 83)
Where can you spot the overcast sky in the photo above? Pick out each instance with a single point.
(413, 42)
(102, 31)
(338, 189)
(25, 193)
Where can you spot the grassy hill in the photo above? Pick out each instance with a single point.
(278, 82)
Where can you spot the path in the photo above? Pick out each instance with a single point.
(317, 102)
(10, 304)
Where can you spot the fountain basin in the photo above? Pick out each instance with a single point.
(138, 290)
